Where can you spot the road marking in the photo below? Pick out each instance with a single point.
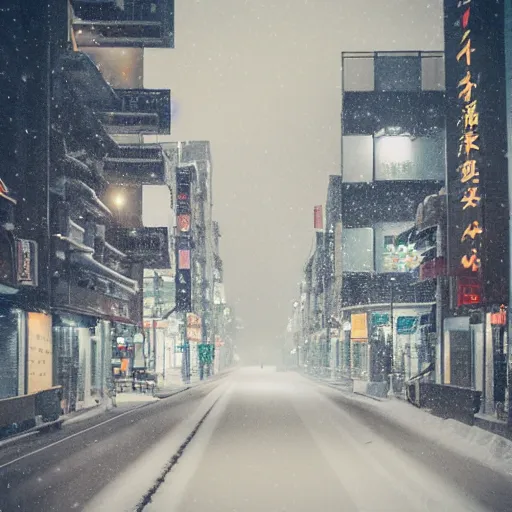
(84, 431)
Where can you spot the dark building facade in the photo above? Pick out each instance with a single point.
(76, 293)
(392, 157)
(474, 350)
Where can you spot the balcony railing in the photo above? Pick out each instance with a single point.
(359, 288)
(393, 71)
(142, 164)
(138, 23)
(151, 245)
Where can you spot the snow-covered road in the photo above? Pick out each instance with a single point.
(265, 441)
(277, 442)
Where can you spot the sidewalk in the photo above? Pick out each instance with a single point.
(486, 445)
(125, 401)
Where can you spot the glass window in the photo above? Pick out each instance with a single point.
(357, 158)
(357, 250)
(398, 74)
(410, 158)
(432, 73)
(389, 256)
(358, 73)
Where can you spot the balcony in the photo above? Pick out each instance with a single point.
(136, 164)
(385, 89)
(138, 23)
(151, 245)
(364, 204)
(361, 288)
(145, 103)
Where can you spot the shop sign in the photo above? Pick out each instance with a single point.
(476, 145)
(205, 352)
(406, 324)
(26, 264)
(469, 291)
(40, 352)
(359, 324)
(184, 223)
(400, 258)
(184, 259)
(183, 178)
(380, 319)
(194, 327)
(499, 318)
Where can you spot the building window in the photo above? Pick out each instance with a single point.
(402, 157)
(357, 250)
(357, 158)
(397, 73)
(389, 255)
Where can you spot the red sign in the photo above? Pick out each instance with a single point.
(499, 318)
(184, 259)
(469, 292)
(318, 217)
(184, 223)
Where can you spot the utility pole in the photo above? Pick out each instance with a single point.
(508, 78)
(391, 392)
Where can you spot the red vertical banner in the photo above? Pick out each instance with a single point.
(318, 217)
(184, 259)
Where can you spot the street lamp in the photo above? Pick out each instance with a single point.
(119, 202)
(391, 392)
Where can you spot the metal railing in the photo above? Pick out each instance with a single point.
(405, 71)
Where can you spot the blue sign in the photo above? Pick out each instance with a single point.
(406, 324)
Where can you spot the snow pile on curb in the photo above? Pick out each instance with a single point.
(469, 441)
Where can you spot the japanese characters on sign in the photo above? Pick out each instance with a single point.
(471, 200)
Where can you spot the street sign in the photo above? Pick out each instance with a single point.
(206, 352)
(406, 324)
(380, 319)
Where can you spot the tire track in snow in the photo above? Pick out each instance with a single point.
(146, 499)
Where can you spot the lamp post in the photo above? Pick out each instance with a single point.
(391, 392)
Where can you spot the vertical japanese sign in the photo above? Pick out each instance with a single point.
(183, 279)
(318, 217)
(476, 142)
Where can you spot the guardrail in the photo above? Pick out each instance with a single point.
(445, 400)
(21, 413)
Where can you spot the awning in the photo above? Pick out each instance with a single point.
(406, 237)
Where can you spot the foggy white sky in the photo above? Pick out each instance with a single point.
(261, 80)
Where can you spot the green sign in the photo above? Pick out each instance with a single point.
(179, 348)
(206, 352)
(380, 319)
(406, 324)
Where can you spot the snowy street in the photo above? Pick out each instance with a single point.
(257, 440)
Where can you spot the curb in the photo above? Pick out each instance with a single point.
(31, 432)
